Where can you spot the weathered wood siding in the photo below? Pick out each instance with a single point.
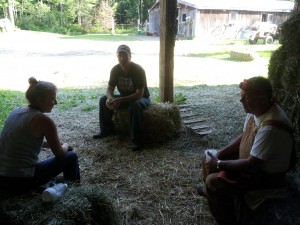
(211, 20)
(154, 18)
(194, 22)
(187, 20)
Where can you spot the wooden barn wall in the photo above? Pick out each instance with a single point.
(210, 19)
(203, 22)
(186, 28)
(154, 20)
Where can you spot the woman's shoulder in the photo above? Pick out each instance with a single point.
(42, 120)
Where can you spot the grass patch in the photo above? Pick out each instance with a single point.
(8, 101)
(89, 108)
(265, 53)
(225, 55)
(215, 55)
(71, 98)
(101, 37)
(86, 99)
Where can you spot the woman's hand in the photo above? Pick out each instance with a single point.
(66, 147)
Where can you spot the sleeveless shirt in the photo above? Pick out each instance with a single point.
(19, 150)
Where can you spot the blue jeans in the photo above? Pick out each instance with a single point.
(48, 169)
(45, 171)
(136, 111)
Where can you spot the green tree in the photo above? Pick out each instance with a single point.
(3, 8)
(64, 16)
(104, 16)
(129, 12)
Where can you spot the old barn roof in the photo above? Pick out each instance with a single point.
(245, 5)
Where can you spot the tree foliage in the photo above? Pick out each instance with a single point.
(82, 16)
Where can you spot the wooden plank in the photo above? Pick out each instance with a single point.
(184, 105)
(199, 127)
(183, 110)
(204, 132)
(188, 115)
(193, 121)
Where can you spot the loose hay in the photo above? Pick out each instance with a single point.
(80, 205)
(282, 211)
(156, 185)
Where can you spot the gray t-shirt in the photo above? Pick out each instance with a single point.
(19, 150)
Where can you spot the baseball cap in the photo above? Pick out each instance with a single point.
(124, 48)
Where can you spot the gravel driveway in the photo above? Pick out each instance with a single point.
(85, 63)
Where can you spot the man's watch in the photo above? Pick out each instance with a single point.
(218, 164)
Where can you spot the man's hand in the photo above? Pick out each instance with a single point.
(110, 103)
(212, 162)
(117, 102)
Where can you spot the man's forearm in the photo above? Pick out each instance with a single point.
(129, 98)
(109, 92)
(232, 148)
(134, 97)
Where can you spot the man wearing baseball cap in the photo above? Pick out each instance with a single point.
(130, 81)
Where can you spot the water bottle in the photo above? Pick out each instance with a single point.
(212, 151)
(52, 193)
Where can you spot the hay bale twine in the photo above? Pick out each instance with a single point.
(80, 205)
(243, 55)
(161, 122)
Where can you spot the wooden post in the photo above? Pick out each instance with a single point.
(168, 29)
(297, 6)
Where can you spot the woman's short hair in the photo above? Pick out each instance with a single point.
(39, 89)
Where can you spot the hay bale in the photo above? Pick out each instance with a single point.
(290, 31)
(121, 121)
(276, 66)
(284, 72)
(281, 211)
(243, 55)
(80, 205)
(161, 122)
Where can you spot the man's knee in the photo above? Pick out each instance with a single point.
(102, 100)
(136, 107)
(72, 157)
(211, 182)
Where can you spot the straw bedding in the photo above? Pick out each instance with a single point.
(154, 186)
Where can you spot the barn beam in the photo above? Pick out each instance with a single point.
(167, 42)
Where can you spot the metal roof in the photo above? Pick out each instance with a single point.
(245, 5)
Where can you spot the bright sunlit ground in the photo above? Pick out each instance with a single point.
(87, 63)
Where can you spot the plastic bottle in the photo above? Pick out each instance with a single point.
(52, 193)
(212, 151)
